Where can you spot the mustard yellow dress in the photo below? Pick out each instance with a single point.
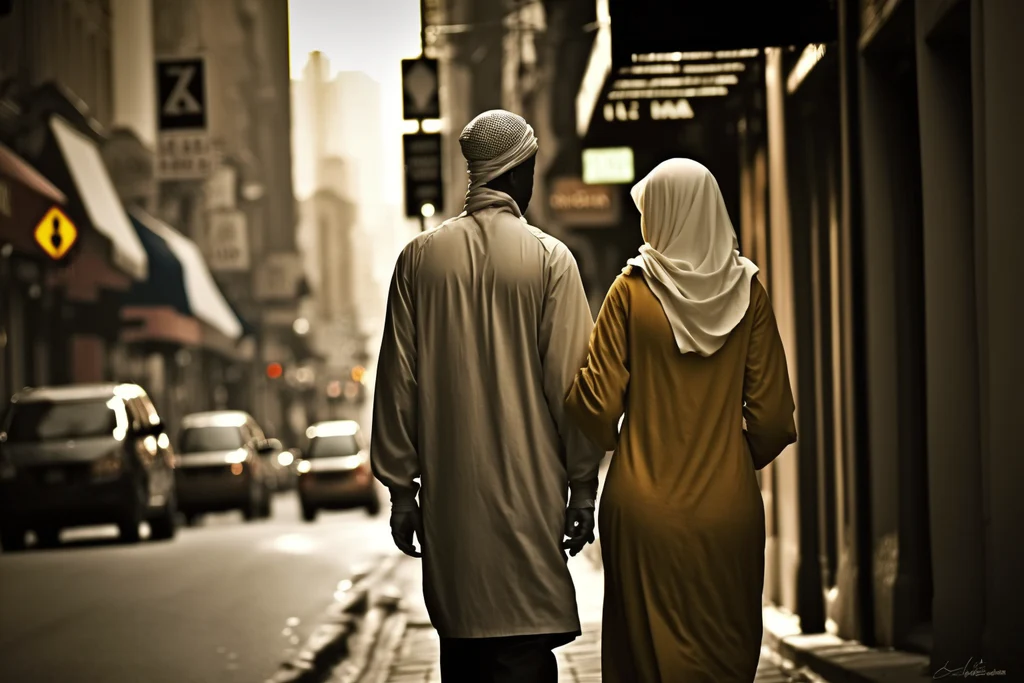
(681, 517)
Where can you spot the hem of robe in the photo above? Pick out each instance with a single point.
(553, 629)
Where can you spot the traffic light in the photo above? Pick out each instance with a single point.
(274, 370)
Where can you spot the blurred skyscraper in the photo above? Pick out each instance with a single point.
(338, 177)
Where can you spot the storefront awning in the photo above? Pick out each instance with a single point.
(165, 282)
(202, 297)
(25, 197)
(641, 28)
(99, 198)
(658, 64)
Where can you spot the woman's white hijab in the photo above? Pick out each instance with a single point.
(690, 257)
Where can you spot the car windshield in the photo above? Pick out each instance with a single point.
(333, 446)
(41, 421)
(207, 439)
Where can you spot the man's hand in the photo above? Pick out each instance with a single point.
(404, 523)
(579, 527)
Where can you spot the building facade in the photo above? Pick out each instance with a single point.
(81, 104)
(60, 321)
(244, 207)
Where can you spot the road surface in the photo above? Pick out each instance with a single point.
(222, 602)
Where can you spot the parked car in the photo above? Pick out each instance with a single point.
(84, 455)
(220, 466)
(334, 473)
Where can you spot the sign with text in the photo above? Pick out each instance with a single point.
(277, 278)
(424, 189)
(184, 150)
(651, 110)
(420, 92)
(579, 205)
(185, 156)
(608, 166)
(226, 245)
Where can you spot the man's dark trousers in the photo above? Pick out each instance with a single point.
(512, 659)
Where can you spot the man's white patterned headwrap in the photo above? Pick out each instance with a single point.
(493, 143)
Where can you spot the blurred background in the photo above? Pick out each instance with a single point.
(201, 203)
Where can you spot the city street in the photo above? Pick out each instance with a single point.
(222, 602)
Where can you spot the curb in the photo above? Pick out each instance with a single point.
(381, 634)
(838, 660)
(328, 644)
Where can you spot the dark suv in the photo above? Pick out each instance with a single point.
(83, 455)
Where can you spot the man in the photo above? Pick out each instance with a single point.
(487, 324)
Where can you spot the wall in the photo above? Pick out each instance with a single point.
(68, 41)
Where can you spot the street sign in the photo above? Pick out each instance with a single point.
(226, 246)
(278, 277)
(181, 88)
(185, 156)
(56, 234)
(420, 96)
(185, 150)
(424, 188)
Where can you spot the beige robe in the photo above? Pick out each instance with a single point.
(681, 517)
(487, 324)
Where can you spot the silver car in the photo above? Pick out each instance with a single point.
(334, 473)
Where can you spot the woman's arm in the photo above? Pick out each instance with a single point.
(597, 398)
(768, 404)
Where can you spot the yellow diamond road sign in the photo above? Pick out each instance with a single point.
(56, 234)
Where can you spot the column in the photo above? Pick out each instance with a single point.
(134, 84)
(780, 287)
(944, 104)
(997, 64)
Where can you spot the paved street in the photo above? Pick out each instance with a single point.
(221, 603)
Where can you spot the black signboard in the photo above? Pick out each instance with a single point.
(423, 179)
(668, 26)
(420, 97)
(181, 93)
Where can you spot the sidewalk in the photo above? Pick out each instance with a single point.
(416, 660)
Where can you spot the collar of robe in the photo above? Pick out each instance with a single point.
(483, 197)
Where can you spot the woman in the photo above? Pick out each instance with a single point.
(686, 345)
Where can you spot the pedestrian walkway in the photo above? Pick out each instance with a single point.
(578, 662)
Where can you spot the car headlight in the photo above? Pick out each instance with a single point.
(285, 458)
(304, 466)
(350, 462)
(109, 466)
(236, 457)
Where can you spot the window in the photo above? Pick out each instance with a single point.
(42, 421)
(209, 439)
(333, 446)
